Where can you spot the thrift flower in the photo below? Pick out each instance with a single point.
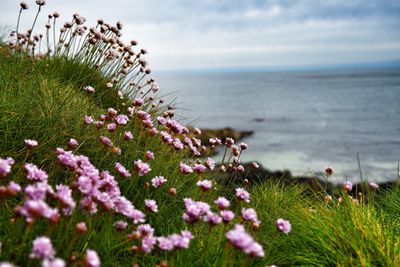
(249, 215)
(242, 194)
(91, 259)
(158, 181)
(199, 168)
(151, 205)
(373, 185)
(348, 186)
(122, 119)
(122, 170)
(185, 169)
(239, 238)
(88, 119)
(128, 135)
(106, 141)
(222, 203)
(227, 215)
(30, 144)
(209, 162)
(149, 155)
(57, 262)
(89, 89)
(120, 225)
(5, 166)
(42, 249)
(141, 167)
(283, 226)
(204, 185)
(328, 170)
(72, 143)
(34, 173)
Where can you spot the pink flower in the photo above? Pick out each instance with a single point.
(128, 135)
(255, 165)
(111, 127)
(210, 163)
(373, 185)
(122, 170)
(158, 181)
(64, 194)
(242, 194)
(89, 89)
(91, 259)
(154, 87)
(112, 112)
(13, 187)
(249, 215)
(149, 155)
(212, 218)
(122, 119)
(141, 167)
(283, 226)
(148, 243)
(239, 238)
(161, 120)
(30, 144)
(199, 168)
(34, 173)
(243, 146)
(138, 102)
(151, 205)
(106, 141)
(227, 215)
(204, 185)
(57, 262)
(81, 227)
(348, 186)
(145, 230)
(185, 169)
(88, 119)
(222, 203)
(120, 225)
(5, 166)
(72, 143)
(42, 248)
(165, 243)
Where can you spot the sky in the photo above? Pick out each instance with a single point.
(202, 34)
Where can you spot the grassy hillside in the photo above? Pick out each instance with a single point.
(79, 196)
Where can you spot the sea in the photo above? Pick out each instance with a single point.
(302, 120)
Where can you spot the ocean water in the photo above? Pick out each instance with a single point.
(302, 120)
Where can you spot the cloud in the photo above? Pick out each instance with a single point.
(208, 33)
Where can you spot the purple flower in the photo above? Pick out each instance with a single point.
(112, 112)
(373, 185)
(111, 127)
(161, 120)
(138, 102)
(348, 186)
(242, 194)
(88, 119)
(239, 238)
(149, 155)
(122, 119)
(185, 169)
(148, 243)
(64, 194)
(141, 167)
(91, 259)
(158, 181)
(199, 168)
(283, 226)
(120, 225)
(151, 205)
(5, 166)
(122, 170)
(204, 185)
(34, 173)
(128, 135)
(13, 187)
(89, 89)
(182, 240)
(227, 215)
(154, 87)
(165, 243)
(57, 262)
(42, 249)
(195, 210)
(209, 162)
(212, 218)
(106, 141)
(72, 143)
(145, 230)
(30, 143)
(249, 215)
(222, 203)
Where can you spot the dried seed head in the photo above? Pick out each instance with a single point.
(24, 5)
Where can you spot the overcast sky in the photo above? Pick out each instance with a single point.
(182, 34)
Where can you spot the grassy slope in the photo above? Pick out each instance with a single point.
(44, 100)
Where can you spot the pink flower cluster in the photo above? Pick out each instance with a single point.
(239, 238)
